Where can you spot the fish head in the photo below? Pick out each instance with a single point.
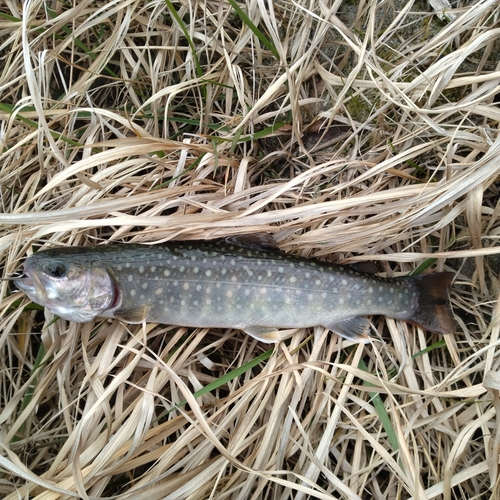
(76, 291)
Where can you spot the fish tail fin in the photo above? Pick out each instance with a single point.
(434, 312)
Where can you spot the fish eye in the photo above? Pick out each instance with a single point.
(57, 270)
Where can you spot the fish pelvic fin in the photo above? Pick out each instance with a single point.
(434, 312)
(264, 334)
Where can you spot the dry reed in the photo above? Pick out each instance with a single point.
(351, 131)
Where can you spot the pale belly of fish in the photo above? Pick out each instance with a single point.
(226, 285)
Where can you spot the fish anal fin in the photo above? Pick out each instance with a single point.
(134, 315)
(257, 241)
(265, 334)
(353, 329)
(434, 312)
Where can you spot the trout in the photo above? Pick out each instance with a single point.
(232, 283)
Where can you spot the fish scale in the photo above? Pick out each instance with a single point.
(225, 284)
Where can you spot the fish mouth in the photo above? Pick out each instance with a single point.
(31, 285)
(25, 284)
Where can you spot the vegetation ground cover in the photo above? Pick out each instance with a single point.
(351, 131)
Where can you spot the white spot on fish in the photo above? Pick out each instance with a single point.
(185, 286)
(391, 290)
(142, 296)
(293, 279)
(287, 300)
(130, 278)
(119, 268)
(198, 288)
(208, 290)
(159, 291)
(208, 302)
(263, 290)
(341, 301)
(166, 273)
(310, 296)
(208, 272)
(229, 294)
(153, 269)
(182, 269)
(280, 269)
(223, 271)
(141, 269)
(370, 289)
(234, 278)
(132, 293)
(344, 282)
(323, 295)
(144, 285)
(317, 282)
(380, 288)
(196, 270)
(368, 302)
(307, 275)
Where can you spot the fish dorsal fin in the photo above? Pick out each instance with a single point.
(134, 315)
(354, 329)
(257, 241)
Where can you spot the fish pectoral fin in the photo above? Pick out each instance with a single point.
(134, 315)
(354, 329)
(264, 333)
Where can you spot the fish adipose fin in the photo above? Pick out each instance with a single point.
(354, 329)
(434, 312)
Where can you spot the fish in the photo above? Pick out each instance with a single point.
(244, 283)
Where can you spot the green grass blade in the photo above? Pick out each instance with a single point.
(246, 20)
(381, 411)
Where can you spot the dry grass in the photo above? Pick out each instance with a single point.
(351, 131)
